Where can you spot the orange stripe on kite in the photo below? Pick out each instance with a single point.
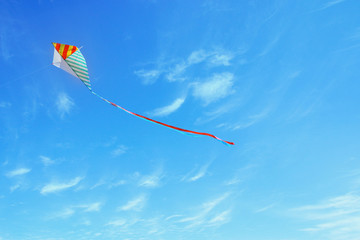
(65, 52)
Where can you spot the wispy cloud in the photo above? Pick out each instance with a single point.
(221, 59)
(263, 209)
(148, 76)
(65, 213)
(151, 181)
(241, 174)
(92, 207)
(71, 210)
(64, 104)
(119, 150)
(252, 119)
(175, 71)
(207, 216)
(57, 187)
(117, 222)
(196, 173)
(46, 160)
(18, 172)
(135, 204)
(215, 88)
(167, 110)
(4, 104)
(336, 218)
(332, 3)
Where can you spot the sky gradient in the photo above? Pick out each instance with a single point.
(278, 78)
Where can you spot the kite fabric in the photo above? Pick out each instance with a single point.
(70, 59)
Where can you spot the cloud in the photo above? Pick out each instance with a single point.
(221, 218)
(4, 104)
(335, 218)
(117, 223)
(197, 57)
(151, 181)
(253, 119)
(93, 207)
(64, 104)
(135, 204)
(223, 59)
(192, 177)
(175, 73)
(121, 149)
(215, 88)
(57, 187)
(14, 187)
(46, 161)
(67, 212)
(263, 209)
(332, 3)
(18, 172)
(207, 216)
(148, 76)
(167, 110)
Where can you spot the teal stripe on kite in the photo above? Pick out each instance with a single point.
(75, 62)
(79, 68)
(78, 58)
(83, 71)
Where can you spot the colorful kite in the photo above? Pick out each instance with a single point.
(70, 59)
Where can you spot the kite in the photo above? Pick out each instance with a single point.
(70, 59)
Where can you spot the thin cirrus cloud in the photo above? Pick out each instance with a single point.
(176, 72)
(148, 76)
(64, 104)
(167, 110)
(215, 88)
(135, 204)
(196, 174)
(337, 217)
(46, 160)
(207, 215)
(57, 187)
(18, 172)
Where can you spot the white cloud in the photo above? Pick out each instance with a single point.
(219, 59)
(332, 3)
(18, 172)
(207, 216)
(64, 104)
(121, 149)
(135, 204)
(263, 209)
(151, 181)
(117, 223)
(93, 207)
(5, 104)
(192, 177)
(148, 76)
(197, 57)
(67, 212)
(14, 187)
(57, 187)
(220, 218)
(215, 88)
(165, 111)
(176, 73)
(46, 160)
(253, 119)
(335, 218)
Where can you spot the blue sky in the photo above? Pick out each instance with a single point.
(279, 78)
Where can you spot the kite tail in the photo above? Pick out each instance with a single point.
(181, 130)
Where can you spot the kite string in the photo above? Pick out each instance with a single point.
(181, 130)
(25, 75)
